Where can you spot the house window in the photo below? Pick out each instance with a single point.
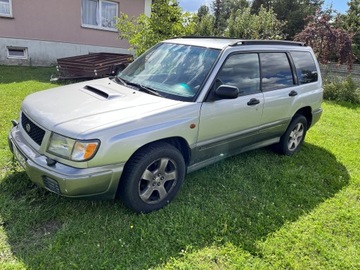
(6, 8)
(99, 14)
(17, 53)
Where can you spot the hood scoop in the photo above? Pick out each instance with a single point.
(101, 92)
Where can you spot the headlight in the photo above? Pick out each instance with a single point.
(72, 149)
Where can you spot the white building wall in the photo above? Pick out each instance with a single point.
(45, 53)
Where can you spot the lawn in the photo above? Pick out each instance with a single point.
(257, 210)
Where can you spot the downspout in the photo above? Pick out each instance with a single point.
(147, 8)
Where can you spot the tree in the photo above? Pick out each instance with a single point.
(295, 13)
(206, 27)
(166, 21)
(352, 19)
(203, 11)
(255, 6)
(220, 21)
(222, 10)
(352, 24)
(327, 41)
(205, 22)
(235, 5)
(264, 25)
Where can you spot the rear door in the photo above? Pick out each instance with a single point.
(280, 93)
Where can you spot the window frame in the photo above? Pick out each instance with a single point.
(24, 49)
(98, 14)
(10, 14)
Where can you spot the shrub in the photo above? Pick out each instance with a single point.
(167, 21)
(342, 90)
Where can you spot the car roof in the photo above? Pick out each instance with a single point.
(215, 43)
(221, 43)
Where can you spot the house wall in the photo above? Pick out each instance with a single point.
(51, 29)
(45, 53)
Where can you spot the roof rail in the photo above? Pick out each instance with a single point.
(206, 37)
(238, 42)
(268, 42)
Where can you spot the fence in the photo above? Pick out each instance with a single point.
(332, 70)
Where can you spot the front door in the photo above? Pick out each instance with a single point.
(229, 124)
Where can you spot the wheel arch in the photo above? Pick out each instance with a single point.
(178, 142)
(307, 112)
(182, 145)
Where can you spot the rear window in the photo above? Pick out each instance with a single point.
(305, 67)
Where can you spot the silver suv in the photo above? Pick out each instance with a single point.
(184, 104)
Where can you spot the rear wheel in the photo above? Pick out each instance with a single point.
(290, 143)
(152, 177)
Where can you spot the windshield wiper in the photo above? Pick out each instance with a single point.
(119, 80)
(149, 90)
(144, 88)
(138, 86)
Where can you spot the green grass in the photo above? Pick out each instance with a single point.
(257, 210)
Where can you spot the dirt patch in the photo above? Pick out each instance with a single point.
(47, 228)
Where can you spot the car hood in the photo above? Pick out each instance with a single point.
(79, 108)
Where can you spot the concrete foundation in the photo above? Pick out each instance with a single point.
(45, 53)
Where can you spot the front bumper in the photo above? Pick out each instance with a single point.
(98, 182)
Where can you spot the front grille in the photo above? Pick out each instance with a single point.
(51, 185)
(35, 132)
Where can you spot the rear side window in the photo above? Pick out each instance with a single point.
(305, 67)
(276, 71)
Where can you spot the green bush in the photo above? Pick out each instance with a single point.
(342, 90)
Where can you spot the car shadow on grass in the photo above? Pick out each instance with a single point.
(240, 200)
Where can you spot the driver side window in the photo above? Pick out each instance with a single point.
(242, 71)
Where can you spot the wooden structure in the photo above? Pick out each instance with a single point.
(91, 66)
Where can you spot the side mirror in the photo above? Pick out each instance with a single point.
(227, 92)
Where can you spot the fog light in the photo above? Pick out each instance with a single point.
(51, 185)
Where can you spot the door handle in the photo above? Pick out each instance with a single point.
(253, 102)
(293, 93)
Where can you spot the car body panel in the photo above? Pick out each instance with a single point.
(235, 125)
(83, 111)
(124, 119)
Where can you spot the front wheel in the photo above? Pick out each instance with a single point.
(290, 143)
(152, 177)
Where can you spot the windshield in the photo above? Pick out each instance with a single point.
(174, 70)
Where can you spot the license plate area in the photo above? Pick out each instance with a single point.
(19, 156)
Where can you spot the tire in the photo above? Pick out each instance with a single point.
(152, 177)
(292, 140)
